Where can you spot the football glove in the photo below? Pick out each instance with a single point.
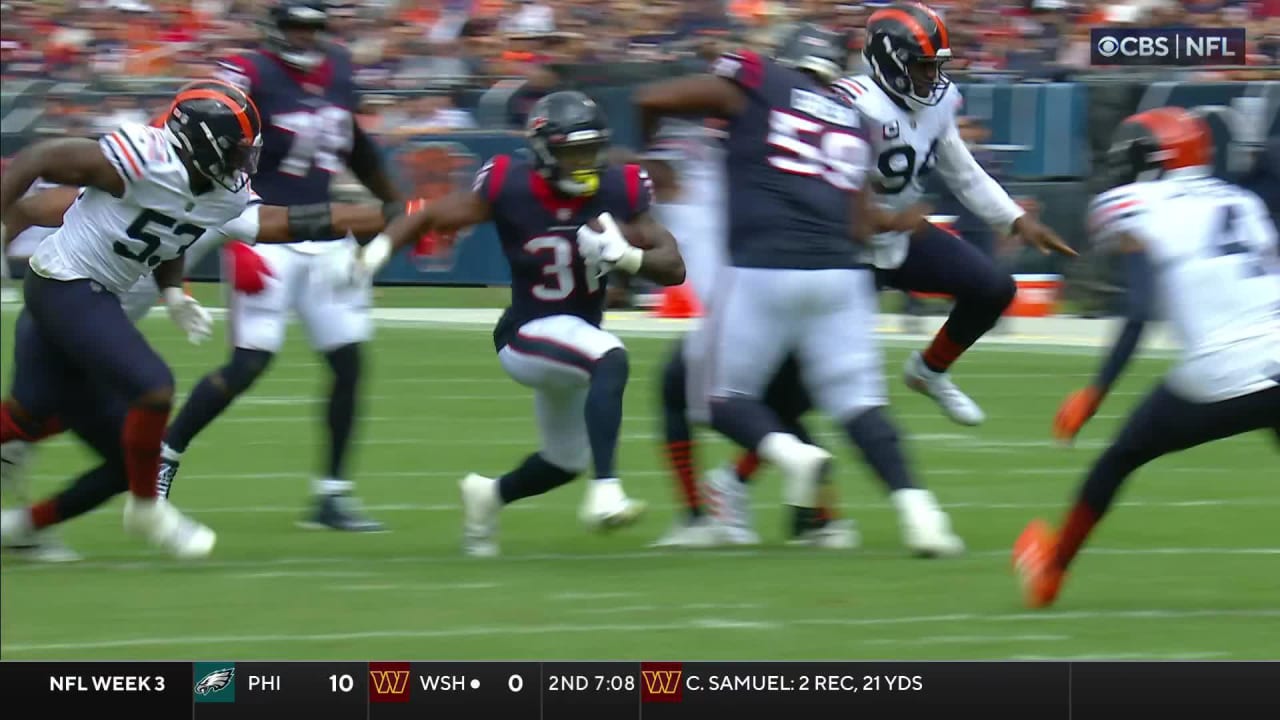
(1075, 411)
(608, 249)
(188, 315)
(249, 270)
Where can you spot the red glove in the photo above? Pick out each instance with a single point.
(249, 271)
(1075, 411)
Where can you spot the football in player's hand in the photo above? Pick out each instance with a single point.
(632, 234)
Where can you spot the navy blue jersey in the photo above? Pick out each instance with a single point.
(795, 155)
(539, 233)
(308, 122)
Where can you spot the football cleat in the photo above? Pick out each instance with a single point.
(938, 385)
(44, 546)
(1033, 562)
(692, 532)
(606, 507)
(339, 511)
(831, 535)
(164, 478)
(165, 526)
(926, 529)
(480, 506)
(730, 503)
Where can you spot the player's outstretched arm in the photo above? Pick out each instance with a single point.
(278, 224)
(447, 215)
(870, 218)
(1080, 406)
(693, 95)
(67, 161)
(43, 209)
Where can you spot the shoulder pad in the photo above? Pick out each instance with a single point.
(1116, 209)
(136, 150)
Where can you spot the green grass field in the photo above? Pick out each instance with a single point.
(1188, 565)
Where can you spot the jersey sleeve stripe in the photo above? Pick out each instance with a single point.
(142, 159)
(121, 152)
(631, 173)
(117, 162)
(497, 176)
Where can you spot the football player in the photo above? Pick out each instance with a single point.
(305, 89)
(561, 218)
(796, 161)
(911, 106)
(1206, 251)
(686, 163)
(150, 194)
(39, 214)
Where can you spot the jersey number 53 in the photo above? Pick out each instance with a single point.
(814, 149)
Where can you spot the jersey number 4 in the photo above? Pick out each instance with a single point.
(558, 269)
(1227, 242)
(813, 149)
(151, 242)
(321, 139)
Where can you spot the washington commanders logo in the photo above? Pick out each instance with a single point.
(434, 169)
(661, 682)
(388, 682)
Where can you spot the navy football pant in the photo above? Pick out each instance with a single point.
(939, 262)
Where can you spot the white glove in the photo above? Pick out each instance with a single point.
(608, 249)
(188, 315)
(374, 255)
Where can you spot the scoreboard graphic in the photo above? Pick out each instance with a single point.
(649, 690)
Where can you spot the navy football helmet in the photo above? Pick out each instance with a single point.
(218, 130)
(907, 45)
(292, 32)
(569, 136)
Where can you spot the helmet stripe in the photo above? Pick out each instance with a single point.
(240, 112)
(1183, 135)
(937, 21)
(910, 23)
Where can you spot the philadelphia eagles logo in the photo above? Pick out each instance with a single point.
(215, 681)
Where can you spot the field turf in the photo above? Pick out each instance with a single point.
(1187, 566)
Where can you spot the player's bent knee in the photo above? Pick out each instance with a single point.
(345, 363)
(613, 367)
(245, 368)
(1002, 291)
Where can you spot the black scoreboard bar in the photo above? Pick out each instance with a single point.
(645, 690)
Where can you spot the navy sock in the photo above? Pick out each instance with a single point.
(744, 420)
(213, 394)
(87, 492)
(878, 440)
(604, 409)
(345, 363)
(534, 476)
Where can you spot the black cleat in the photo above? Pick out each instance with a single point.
(340, 512)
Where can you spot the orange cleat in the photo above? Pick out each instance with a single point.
(1033, 561)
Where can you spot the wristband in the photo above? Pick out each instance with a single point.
(311, 222)
(630, 261)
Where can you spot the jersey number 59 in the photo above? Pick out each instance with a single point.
(811, 148)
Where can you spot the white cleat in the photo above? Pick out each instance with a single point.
(926, 529)
(835, 535)
(606, 507)
(45, 546)
(954, 403)
(480, 507)
(699, 532)
(730, 502)
(163, 525)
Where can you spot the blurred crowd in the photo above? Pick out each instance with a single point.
(455, 47)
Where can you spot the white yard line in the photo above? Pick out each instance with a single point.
(719, 624)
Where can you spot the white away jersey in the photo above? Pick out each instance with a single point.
(697, 217)
(907, 146)
(24, 244)
(115, 241)
(1213, 248)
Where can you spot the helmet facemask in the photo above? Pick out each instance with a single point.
(573, 165)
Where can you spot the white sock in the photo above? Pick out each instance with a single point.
(169, 453)
(776, 446)
(331, 486)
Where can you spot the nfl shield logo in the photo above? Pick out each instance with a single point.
(891, 130)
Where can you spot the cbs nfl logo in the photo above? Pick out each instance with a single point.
(1167, 47)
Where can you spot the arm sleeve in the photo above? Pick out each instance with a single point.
(744, 68)
(491, 177)
(1115, 213)
(1140, 300)
(244, 227)
(972, 185)
(237, 70)
(639, 190)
